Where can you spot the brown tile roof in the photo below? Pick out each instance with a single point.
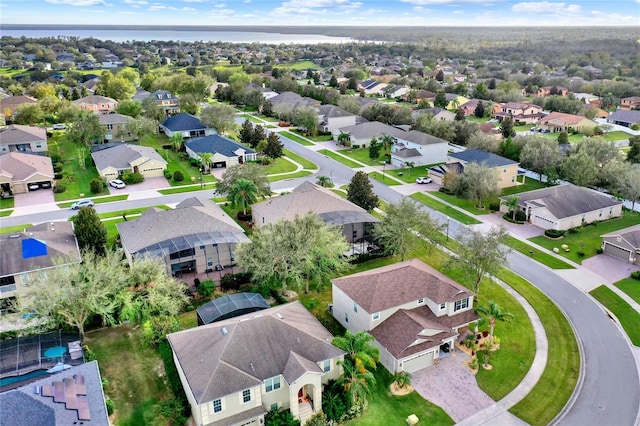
(285, 340)
(400, 283)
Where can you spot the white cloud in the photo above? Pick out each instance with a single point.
(78, 2)
(545, 7)
(451, 2)
(299, 7)
(221, 12)
(136, 2)
(157, 6)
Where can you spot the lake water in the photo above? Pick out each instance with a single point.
(119, 35)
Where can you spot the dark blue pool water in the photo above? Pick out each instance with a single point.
(15, 379)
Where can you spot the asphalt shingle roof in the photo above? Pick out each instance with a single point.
(625, 116)
(183, 122)
(16, 133)
(19, 166)
(121, 155)
(216, 144)
(478, 156)
(630, 235)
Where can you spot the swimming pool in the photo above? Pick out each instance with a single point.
(16, 379)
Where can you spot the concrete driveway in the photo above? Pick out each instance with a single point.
(146, 185)
(525, 230)
(609, 267)
(451, 385)
(40, 196)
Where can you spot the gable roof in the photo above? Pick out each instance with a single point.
(121, 155)
(201, 222)
(309, 197)
(216, 144)
(13, 102)
(23, 407)
(161, 95)
(631, 116)
(114, 119)
(567, 200)
(19, 166)
(562, 117)
(141, 95)
(412, 280)
(37, 247)
(631, 235)
(94, 100)
(182, 122)
(478, 156)
(330, 111)
(226, 357)
(16, 133)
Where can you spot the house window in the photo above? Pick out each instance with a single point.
(217, 405)
(355, 307)
(461, 304)
(420, 301)
(38, 145)
(376, 316)
(504, 170)
(246, 395)
(7, 280)
(24, 278)
(274, 407)
(443, 306)
(346, 317)
(272, 384)
(209, 261)
(326, 365)
(600, 213)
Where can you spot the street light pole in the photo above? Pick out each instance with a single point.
(384, 165)
(447, 228)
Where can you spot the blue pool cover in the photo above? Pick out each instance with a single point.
(33, 248)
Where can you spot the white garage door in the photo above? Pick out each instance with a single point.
(618, 252)
(418, 362)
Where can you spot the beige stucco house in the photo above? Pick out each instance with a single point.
(561, 122)
(23, 139)
(234, 371)
(519, 112)
(21, 172)
(414, 312)
(507, 171)
(565, 206)
(623, 244)
(113, 159)
(224, 152)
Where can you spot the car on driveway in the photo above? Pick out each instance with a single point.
(34, 186)
(59, 126)
(423, 179)
(81, 203)
(117, 183)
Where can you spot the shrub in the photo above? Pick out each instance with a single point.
(356, 146)
(173, 378)
(554, 233)
(155, 330)
(167, 147)
(206, 288)
(132, 177)
(573, 230)
(277, 296)
(318, 419)
(89, 355)
(166, 173)
(96, 186)
(59, 189)
(178, 176)
(580, 253)
(110, 406)
(402, 379)
(280, 417)
(473, 364)
(234, 281)
(494, 207)
(57, 168)
(194, 162)
(172, 411)
(334, 401)
(599, 250)
(635, 275)
(58, 176)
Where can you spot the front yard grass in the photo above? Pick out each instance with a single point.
(5, 213)
(362, 155)
(16, 228)
(6, 203)
(187, 188)
(296, 138)
(616, 135)
(549, 396)
(339, 158)
(631, 287)
(528, 185)
(629, 318)
(97, 200)
(280, 165)
(252, 119)
(588, 237)
(301, 173)
(317, 138)
(542, 257)
(468, 205)
(410, 174)
(306, 164)
(384, 179)
(443, 208)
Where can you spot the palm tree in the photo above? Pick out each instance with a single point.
(454, 104)
(344, 139)
(243, 192)
(355, 382)
(410, 165)
(362, 354)
(324, 181)
(512, 205)
(493, 313)
(206, 158)
(387, 141)
(176, 141)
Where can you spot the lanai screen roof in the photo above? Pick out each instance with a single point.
(184, 242)
(230, 306)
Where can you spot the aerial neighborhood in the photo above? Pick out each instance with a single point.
(319, 234)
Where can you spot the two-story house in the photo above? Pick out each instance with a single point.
(234, 371)
(331, 118)
(413, 311)
(520, 112)
(417, 148)
(115, 127)
(96, 103)
(169, 102)
(632, 102)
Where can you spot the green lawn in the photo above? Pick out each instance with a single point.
(385, 409)
(616, 135)
(12, 229)
(443, 208)
(362, 155)
(299, 65)
(339, 158)
(384, 179)
(187, 188)
(280, 165)
(542, 257)
(588, 237)
(112, 231)
(5, 213)
(301, 173)
(528, 185)
(475, 119)
(296, 138)
(252, 119)
(631, 287)
(317, 138)
(468, 205)
(629, 318)
(6, 203)
(549, 396)
(409, 174)
(308, 165)
(266, 118)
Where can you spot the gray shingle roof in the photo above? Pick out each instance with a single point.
(183, 122)
(16, 133)
(630, 235)
(21, 165)
(94, 99)
(329, 111)
(625, 116)
(255, 347)
(114, 119)
(216, 144)
(478, 156)
(376, 129)
(568, 200)
(121, 155)
(200, 220)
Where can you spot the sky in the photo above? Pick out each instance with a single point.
(324, 12)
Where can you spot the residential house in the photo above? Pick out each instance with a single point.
(234, 371)
(226, 152)
(33, 252)
(437, 113)
(395, 91)
(331, 118)
(506, 170)
(425, 95)
(356, 222)
(115, 127)
(97, 104)
(491, 130)
(454, 100)
(22, 172)
(632, 102)
(8, 106)
(565, 206)
(186, 125)
(141, 95)
(113, 159)
(520, 112)
(167, 101)
(293, 100)
(552, 90)
(470, 106)
(417, 148)
(586, 98)
(623, 244)
(414, 312)
(204, 241)
(23, 139)
(622, 118)
(71, 397)
(361, 134)
(561, 122)
(372, 87)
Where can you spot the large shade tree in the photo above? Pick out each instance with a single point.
(219, 116)
(90, 231)
(360, 192)
(249, 171)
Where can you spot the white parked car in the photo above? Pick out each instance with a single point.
(81, 203)
(34, 186)
(59, 126)
(423, 179)
(117, 183)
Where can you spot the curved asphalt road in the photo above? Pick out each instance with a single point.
(610, 391)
